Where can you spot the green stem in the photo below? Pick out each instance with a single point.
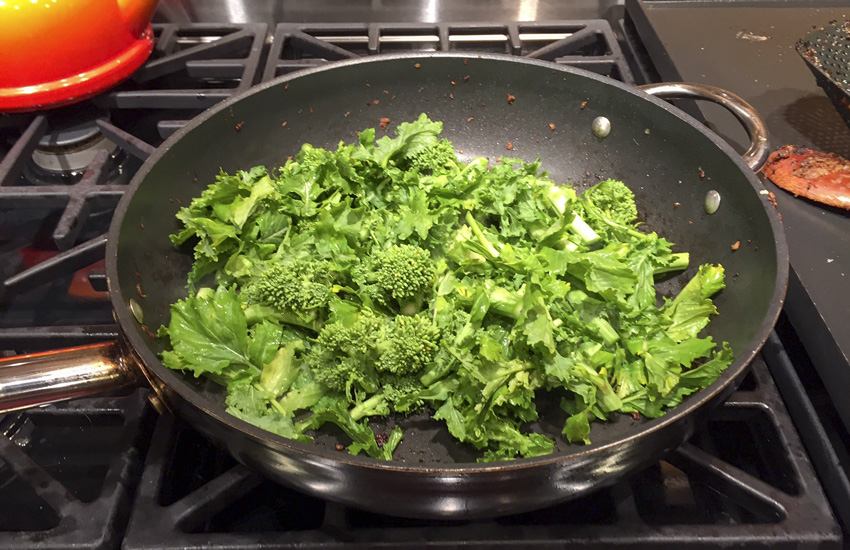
(680, 262)
(580, 227)
(480, 234)
(367, 407)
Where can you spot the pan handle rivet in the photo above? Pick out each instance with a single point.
(136, 310)
(712, 201)
(601, 127)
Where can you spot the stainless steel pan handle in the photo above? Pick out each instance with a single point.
(40, 378)
(757, 154)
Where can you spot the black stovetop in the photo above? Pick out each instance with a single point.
(110, 472)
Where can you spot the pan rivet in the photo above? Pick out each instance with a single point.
(601, 127)
(136, 310)
(712, 201)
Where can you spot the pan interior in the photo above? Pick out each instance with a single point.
(667, 163)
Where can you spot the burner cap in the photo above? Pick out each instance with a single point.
(73, 140)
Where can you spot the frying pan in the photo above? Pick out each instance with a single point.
(665, 156)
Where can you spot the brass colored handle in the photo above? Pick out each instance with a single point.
(48, 377)
(757, 154)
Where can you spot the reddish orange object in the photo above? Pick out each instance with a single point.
(56, 52)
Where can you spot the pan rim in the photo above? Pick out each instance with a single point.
(133, 334)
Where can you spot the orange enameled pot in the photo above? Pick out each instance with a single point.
(56, 52)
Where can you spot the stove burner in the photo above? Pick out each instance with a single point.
(71, 151)
(71, 143)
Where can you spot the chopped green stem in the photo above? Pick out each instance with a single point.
(374, 406)
(680, 261)
(557, 199)
(480, 234)
(273, 402)
(506, 302)
(394, 439)
(435, 374)
(605, 330)
(491, 388)
(584, 231)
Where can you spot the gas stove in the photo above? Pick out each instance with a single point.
(109, 472)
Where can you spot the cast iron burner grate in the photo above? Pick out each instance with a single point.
(589, 44)
(53, 220)
(68, 472)
(742, 481)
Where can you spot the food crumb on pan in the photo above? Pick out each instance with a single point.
(339, 447)
(451, 96)
(347, 113)
(511, 99)
(583, 104)
(416, 65)
(384, 121)
(772, 198)
(509, 146)
(139, 291)
(283, 124)
(537, 140)
(239, 126)
(375, 102)
(676, 205)
(386, 92)
(465, 61)
(701, 173)
(368, 85)
(552, 126)
(470, 119)
(454, 83)
(466, 78)
(736, 245)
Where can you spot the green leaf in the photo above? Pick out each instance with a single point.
(411, 136)
(689, 312)
(274, 422)
(263, 342)
(210, 333)
(279, 373)
(577, 429)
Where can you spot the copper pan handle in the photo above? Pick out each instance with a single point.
(48, 377)
(743, 111)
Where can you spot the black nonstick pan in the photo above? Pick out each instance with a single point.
(665, 156)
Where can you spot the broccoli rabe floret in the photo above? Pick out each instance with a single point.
(439, 158)
(297, 285)
(373, 361)
(295, 292)
(342, 358)
(612, 200)
(307, 160)
(406, 344)
(399, 276)
(610, 205)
